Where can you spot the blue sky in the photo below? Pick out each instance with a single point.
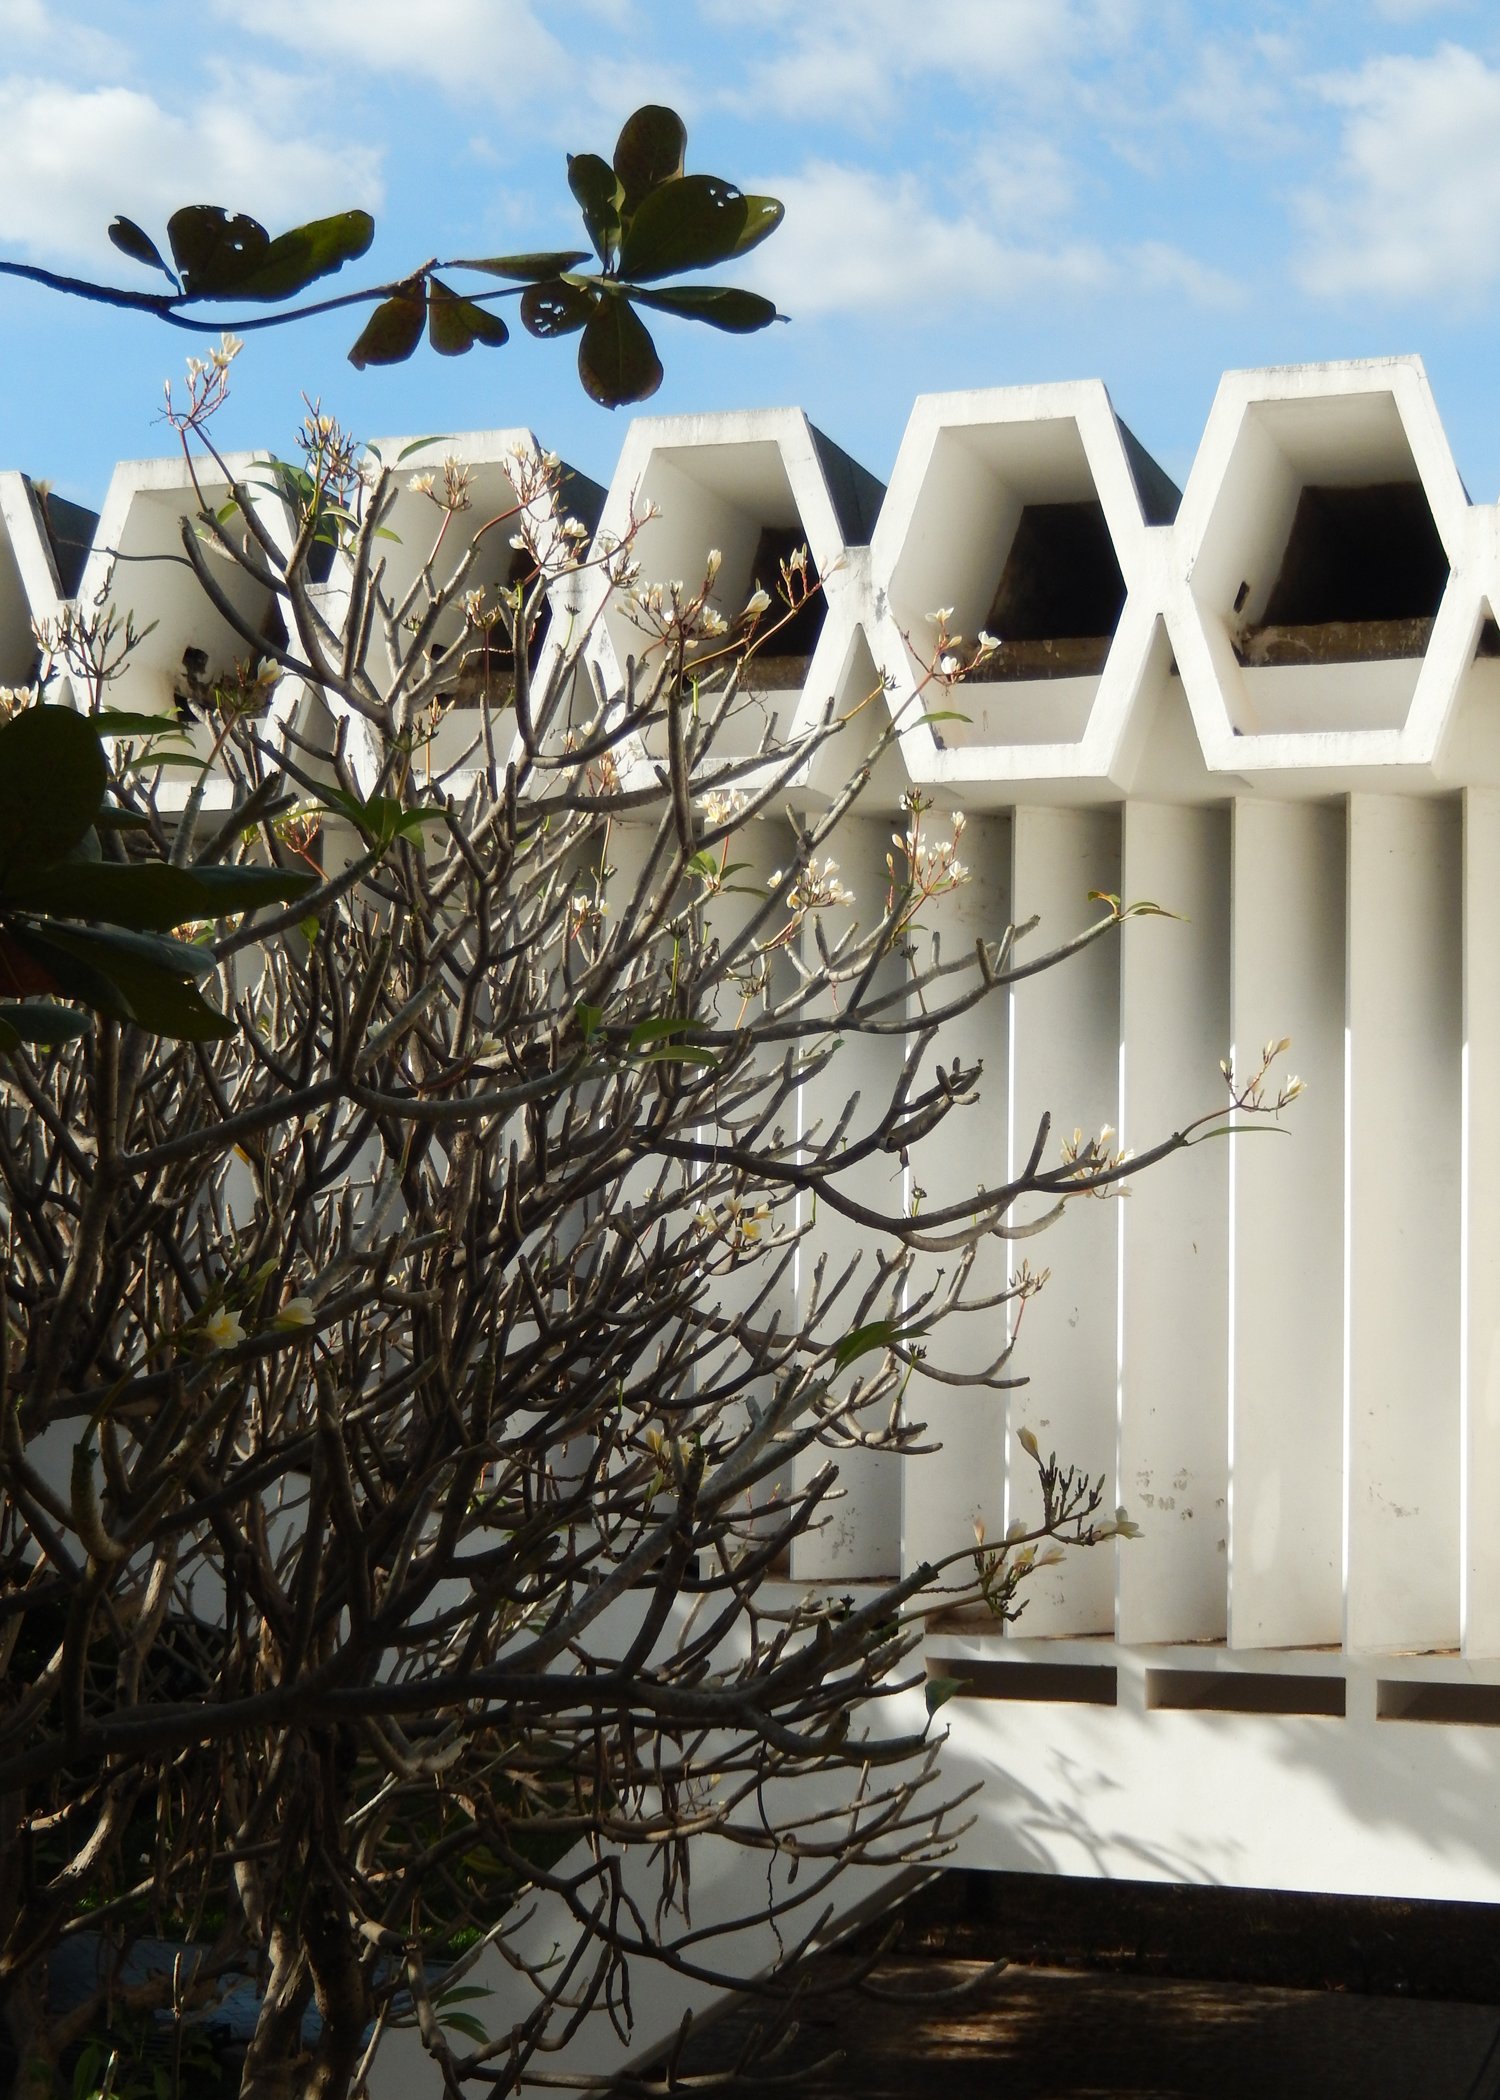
(978, 192)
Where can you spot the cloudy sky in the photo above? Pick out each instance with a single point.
(978, 192)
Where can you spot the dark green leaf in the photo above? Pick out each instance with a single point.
(649, 151)
(940, 1690)
(879, 1334)
(588, 1019)
(392, 332)
(75, 976)
(617, 359)
(693, 224)
(157, 950)
(115, 721)
(134, 241)
(455, 325)
(52, 780)
(153, 896)
(150, 761)
(466, 2025)
(40, 1021)
(524, 269)
(721, 305)
(679, 1054)
(297, 259)
(594, 184)
(659, 1027)
(113, 819)
(213, 250)
(556, 308)
(156, 996)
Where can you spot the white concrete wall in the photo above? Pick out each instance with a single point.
(1284, 1352)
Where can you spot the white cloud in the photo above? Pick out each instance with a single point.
(475, 50)
(1413, 211)
(33, 30)
(852, 73)
(76, 156)
(856, 242)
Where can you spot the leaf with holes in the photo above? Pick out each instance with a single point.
(617, 359)
(692, 225)
(214, 250)
(556, 308)
(299, 258)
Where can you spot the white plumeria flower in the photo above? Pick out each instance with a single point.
(297, 1312)
(221, 1330)
(757, 603)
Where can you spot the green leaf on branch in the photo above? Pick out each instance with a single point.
(40, 1021)
(134, 241)
(556, 308)
(721, 305)
(52, 782)
(393, 331)
(659, 1028)
(693, 224)
(879, 1334)
(600, 194)
(152, 896)
(220, 255)
(116, 721)
(617, 359)
(455, 325)
(524, 269)
(939, 1690)
(297, 259)
(132, 978)
(382, 818)
(649, 151)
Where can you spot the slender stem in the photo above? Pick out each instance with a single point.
(167, 306)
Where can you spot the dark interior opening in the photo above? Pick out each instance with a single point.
(1060, 595)
(781, 666)
(484, 664)
(70, 534)
(1361, 579)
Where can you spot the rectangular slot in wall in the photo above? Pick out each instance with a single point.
(1243, 1692)
(1456, 1705)
(1052, 1684)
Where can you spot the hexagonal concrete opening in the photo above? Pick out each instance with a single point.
(482, 664)
(738, 498)
(1324, 564)
(1008, 530)
(140, 566)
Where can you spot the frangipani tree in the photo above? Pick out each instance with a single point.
(415, 1379)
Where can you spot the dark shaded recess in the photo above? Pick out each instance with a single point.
(1060, 595)
(855, 493)
(782, 665)
(69, 530)
(1360, 582)
(1160, 496)
(1121, 1987)
(1312, 1942)
(1071, 1684)
(197, 680)
(485, 666)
